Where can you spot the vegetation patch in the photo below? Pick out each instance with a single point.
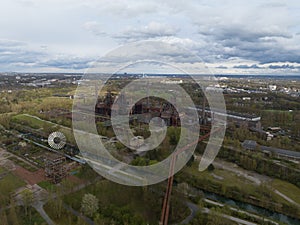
(8, 184)
(288, 189)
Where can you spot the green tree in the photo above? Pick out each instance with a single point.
(13, 218)
(27, 198)
(215, 218)
(3, 218)
(56, 205)
(98, 219)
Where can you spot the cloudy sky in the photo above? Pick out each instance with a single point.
(231, 37)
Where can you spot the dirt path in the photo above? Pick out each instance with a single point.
(30, 177)
(257, 179)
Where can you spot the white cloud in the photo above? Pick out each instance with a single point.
(94, 27)
(258, 32)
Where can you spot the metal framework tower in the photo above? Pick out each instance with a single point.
(55, 169)
(166, 203)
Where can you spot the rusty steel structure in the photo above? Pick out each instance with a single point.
(166, 202)
(56, 169)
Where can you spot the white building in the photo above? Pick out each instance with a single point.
(272, 87)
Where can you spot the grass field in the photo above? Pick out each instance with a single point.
(288, 189)
(47, 185)
(228, 179)
(37, 123)
(2, 170)
(27, 120)
(52, 102)
(8, 185)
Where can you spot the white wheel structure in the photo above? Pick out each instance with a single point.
(57, 140)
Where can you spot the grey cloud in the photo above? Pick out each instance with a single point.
(67, 63)
(15, 54)
(239, 32)
(254, 66)
(259, 30)
(12, 51)
(151, 50)
(265, 47)
(221, 67)
(152, 30)
(284, 66)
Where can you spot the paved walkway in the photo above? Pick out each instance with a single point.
(286, 198)
(40, 209)
(194, 209)
(76, 213)
(256, 178)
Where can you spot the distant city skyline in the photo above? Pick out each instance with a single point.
(231, 37)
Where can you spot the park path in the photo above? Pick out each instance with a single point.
(286, 198)
(78, 214)
(195, 208)
(252, 176)
(39, 207)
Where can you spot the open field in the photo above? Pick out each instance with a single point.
(27, 120)
(226, 182)
(46, 126)
(8, 184)
(287, 189)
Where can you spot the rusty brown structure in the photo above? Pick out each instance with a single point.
(56, 169)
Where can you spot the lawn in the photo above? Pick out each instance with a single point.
(47, 185)
(67, 183)
(8, 185)
(29, 121)
(288, 189)
(231, 180)
(50, 103)
(2, 170)
(36, 123)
